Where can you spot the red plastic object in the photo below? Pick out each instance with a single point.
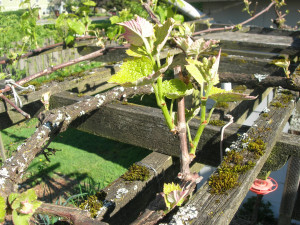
(263, 187)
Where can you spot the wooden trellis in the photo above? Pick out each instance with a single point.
(244, 54)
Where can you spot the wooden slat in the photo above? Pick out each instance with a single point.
(162, 169)
(145, 127)
(31, 101)
(280, 44)
(220, 209)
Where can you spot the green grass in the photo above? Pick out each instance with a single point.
(79, 155)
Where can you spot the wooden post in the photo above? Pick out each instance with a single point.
(290, 191)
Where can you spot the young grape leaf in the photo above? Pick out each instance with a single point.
(132, 70)
(90, 3)
(176, 88)
(20, 219)
(77, 26)
(136, 51)
(2, 209)
(190, 114)
(193, 69)
(162, 33)
(136, 30)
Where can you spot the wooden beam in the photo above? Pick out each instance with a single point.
(145, 127)
(256, 42)
(127, 206)
(88, 83)
(219, 209)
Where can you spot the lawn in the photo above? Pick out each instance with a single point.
(78, 154)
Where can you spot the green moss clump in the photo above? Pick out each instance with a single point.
(218, 123)
(286, 98)
(92, 204)
(257, 147)
(277, 104)
(136, 172)
(223, 181)
(240, 88)
(227, 176)
(223, 105)
(265, 114)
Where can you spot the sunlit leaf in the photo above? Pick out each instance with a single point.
(2, 209)
(136, 51)
(194, 71)
(90, 3)
(176, 88)
(132, 70)
(137, 29)
(77, 26)
(162, 33)
(190, 114)
(20, 219)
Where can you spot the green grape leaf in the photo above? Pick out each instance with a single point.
(69, 39)
(77, 26)
(136, 30)
(200, 45)
(162, 33)
(183, 43)
(176, 88)
(168, 188)
(194, 71)
(168, 195)
(20, 219)
(90, 3)
(30, 195)
(179, 18)
(136, 51)
(216, 90)
(11, 199)
(2, 209)
(214, 76)
(132, 70)
(190, 114)
(114, 19)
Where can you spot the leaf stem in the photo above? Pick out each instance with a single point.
(162, 103)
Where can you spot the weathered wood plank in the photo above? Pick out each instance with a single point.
(219, 209)
(88, 83)
(257, 42)
(145, 127)
(122, 208)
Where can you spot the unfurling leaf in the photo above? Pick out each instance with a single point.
(132, 70)
(136, 30)
(194, 48)
(192, 68)
(190, 114)
(176, 88)
(169, 196)
(207, 70)
(162, 33)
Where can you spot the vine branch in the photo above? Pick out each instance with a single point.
(233, 26)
